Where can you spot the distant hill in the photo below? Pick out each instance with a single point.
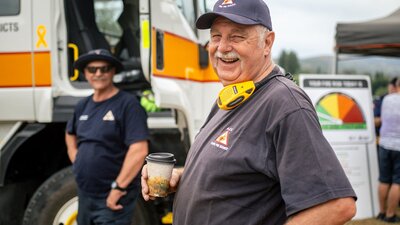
(351, 65)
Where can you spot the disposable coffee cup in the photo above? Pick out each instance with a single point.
(159, 171)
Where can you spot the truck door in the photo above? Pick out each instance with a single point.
(109, 24)
(16, 59)
(25, 81)
(181, 78)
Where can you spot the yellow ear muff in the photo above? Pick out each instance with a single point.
(235, 94)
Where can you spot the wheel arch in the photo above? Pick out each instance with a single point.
(36, 150)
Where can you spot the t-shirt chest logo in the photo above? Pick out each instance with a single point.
(109, 116)
(222, 141)
(84, 117)
(223, 138)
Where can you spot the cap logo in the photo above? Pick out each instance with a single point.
(227, 3)
(97, 51)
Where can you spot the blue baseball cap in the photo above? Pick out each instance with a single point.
(247, 12)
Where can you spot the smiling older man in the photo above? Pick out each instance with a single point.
(261, 158)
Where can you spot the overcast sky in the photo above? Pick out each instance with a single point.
(308, 26)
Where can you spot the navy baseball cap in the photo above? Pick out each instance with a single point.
(98, 54)
(247, 12)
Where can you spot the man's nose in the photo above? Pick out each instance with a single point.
(224, 45)
(98, 72)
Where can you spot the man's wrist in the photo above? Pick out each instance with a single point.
(115, 186)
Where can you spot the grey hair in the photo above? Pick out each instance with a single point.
(262, 32)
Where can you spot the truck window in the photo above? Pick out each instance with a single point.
(9, 7)
(108, 24)
(209, 4)
(107, 13)
(188, 10)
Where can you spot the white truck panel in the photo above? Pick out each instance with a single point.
(16, 104)
(16, 35)
(43, 104)
(41, 29)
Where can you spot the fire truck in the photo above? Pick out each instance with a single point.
(161, 51)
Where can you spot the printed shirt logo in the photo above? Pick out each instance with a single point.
(222, 140)
(227, 3)
(109, 116)
(84, 117)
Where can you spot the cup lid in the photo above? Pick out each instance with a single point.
(162, 157)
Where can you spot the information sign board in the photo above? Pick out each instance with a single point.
(344, 107)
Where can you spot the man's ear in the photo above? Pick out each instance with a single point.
(269, 41)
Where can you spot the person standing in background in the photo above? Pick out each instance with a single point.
(107, 144)
(389, 157)
(391, 88)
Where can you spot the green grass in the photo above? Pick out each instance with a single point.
(372, 221)
(369, 222)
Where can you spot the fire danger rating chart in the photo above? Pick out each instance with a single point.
(338, 111)
(344, 107)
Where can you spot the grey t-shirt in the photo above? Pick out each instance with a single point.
(390, 116)
(259, 163)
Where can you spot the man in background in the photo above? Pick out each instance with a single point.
(107, 143)
(389, 157)
(391, 88)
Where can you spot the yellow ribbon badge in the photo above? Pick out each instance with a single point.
(41, 32)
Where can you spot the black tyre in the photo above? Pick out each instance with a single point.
(56, 203)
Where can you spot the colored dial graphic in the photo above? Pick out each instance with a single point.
(338, 111)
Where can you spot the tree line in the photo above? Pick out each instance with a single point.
(289, 61)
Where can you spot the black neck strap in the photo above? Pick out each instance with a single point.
(276, 72)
